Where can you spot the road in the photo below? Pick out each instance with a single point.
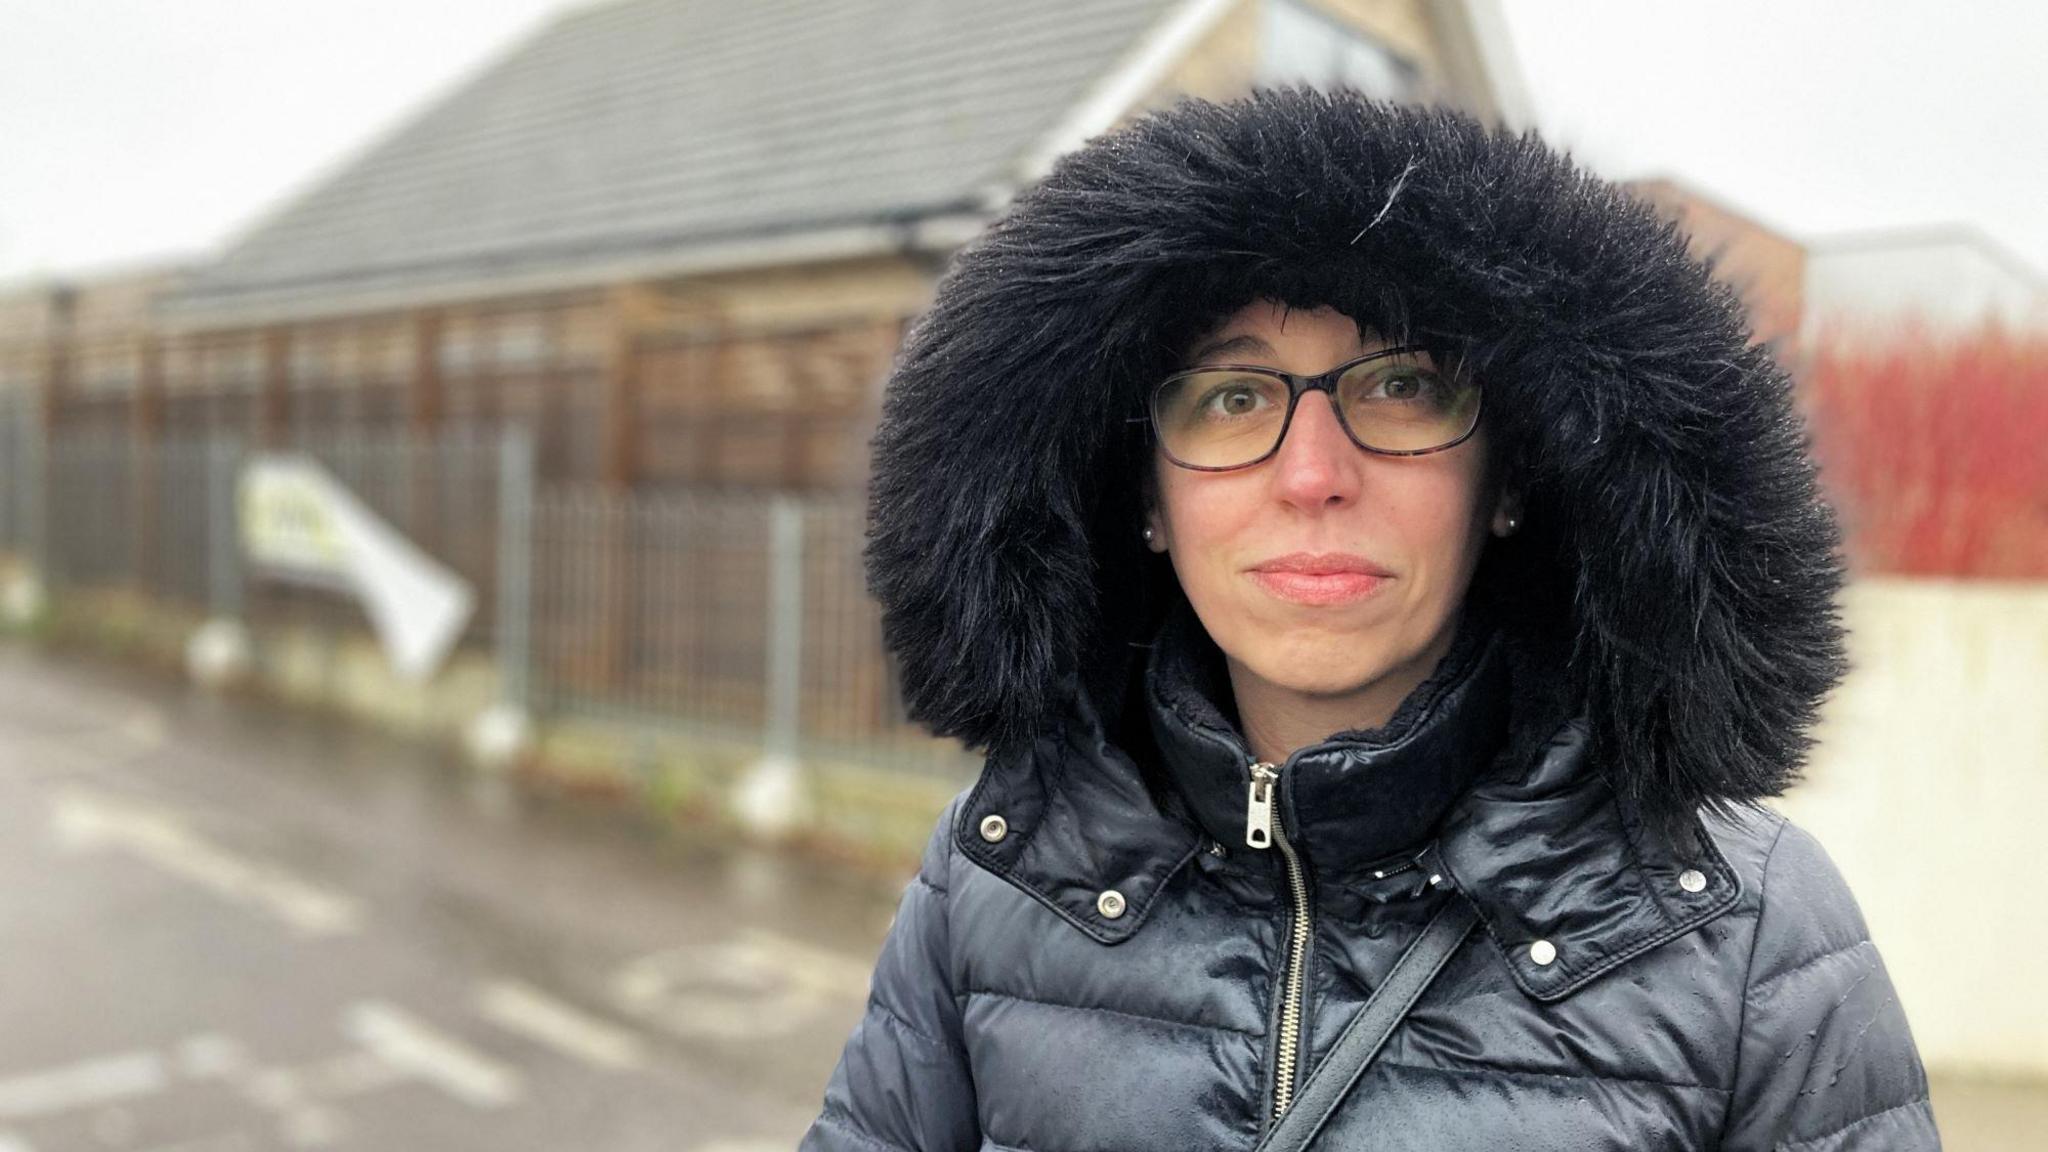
(229, 928)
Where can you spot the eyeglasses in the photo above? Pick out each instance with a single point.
(1394, 402)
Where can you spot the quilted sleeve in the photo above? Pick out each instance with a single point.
(1827, 1062)
(903, 1081)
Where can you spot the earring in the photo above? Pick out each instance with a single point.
(1512, 525)
(1148, 535)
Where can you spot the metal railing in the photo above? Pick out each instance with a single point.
(735, 614)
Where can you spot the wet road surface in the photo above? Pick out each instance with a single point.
(230, 928)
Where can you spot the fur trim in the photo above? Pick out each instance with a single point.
(1677, 563)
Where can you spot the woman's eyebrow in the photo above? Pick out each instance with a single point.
(1231, 345)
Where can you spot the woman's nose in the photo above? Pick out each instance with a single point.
(1317, 460)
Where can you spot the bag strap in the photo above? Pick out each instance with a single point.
(1368, 1031)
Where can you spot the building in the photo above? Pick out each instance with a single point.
(677, 242)
(1941, 280)
(680, 241)
(1799, 291)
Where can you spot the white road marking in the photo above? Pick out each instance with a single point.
(755, 986)
(537, 1016)
(82, 1085)
(410, 1045)
(211, 1056)
(84, 820)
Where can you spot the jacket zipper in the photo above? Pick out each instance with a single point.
(1262, 830)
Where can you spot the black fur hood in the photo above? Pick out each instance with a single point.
(1677, 567)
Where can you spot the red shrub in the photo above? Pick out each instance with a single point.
(1935, 448)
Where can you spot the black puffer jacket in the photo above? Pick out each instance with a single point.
(1091, 958)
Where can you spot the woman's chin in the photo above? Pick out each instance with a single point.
(1318, 670)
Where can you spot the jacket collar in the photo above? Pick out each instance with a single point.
(1348, 801)
(1458, 781)
(1546, 851)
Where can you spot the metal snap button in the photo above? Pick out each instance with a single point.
(1692, 880)
(994, 828)
(1110, 903)
(1543, 952)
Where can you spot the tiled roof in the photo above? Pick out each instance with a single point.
(650, 126)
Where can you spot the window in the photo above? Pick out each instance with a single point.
(1302, 46)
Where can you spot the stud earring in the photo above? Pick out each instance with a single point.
(1512, 525)
(1148, 535)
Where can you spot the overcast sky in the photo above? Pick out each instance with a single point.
(132, 130)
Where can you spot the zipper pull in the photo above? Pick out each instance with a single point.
(1258, 824)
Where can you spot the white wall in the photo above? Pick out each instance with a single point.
(1930, 791)
(1948, 283)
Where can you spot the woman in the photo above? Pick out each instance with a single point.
(1334, 520)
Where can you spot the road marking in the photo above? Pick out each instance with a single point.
(755, 986)
(211, 1056)
(410, 1045)
(84, 820)
(526, 1010)
(82, 1085)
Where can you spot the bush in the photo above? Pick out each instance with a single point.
(1935, 448)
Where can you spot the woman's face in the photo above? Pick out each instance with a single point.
(1421, 521)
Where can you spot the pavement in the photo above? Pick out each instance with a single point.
(232, 928)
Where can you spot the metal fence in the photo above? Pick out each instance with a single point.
(21, 469)
(737, 614)
(109, 513)
(744, 612)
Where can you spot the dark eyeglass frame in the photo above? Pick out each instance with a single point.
(1325, 383)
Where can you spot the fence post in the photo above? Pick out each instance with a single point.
(785, 623)
(34, 472)
(515, 566)
(223, 522)
(771, 797)
(221, 651)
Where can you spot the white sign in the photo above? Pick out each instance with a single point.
(300, 523)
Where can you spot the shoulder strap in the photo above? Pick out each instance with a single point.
(1368, 1030)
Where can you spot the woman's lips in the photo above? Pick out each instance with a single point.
(1319, 587)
